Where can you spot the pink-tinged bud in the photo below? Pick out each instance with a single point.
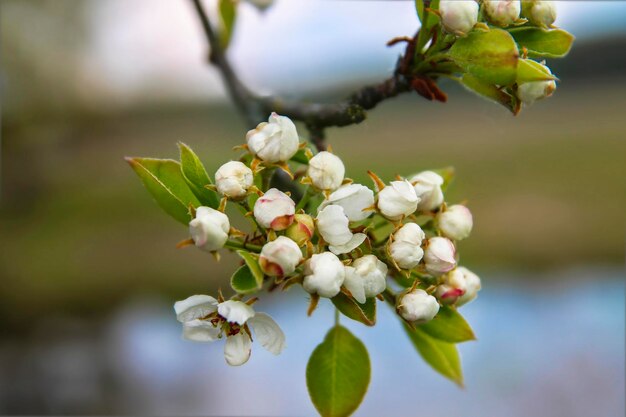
(233, 179)
(280, 257)
(472, 286)
(439, 256)
(302, 229)
(397, 200)
(274, 210)
(326, 171)
(324, 275)
(456, 222)
(406, 248)
(427, 185)
(458, 16)
(275, 140)
(209, 230)
(541, 13)
(417, 306)
(452, 287)
(502, 13)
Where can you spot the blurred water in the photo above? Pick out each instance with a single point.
(555, 348)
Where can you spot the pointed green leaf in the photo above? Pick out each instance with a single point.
(543, 43)
(164, 180)
(429, 20)
(196, 176)
(243, 281)
(228, 14)
(252, 261)
(529, 71)
(489, 91)
(338, 373)
(449, 326)
(489, 56)
(300, 157)
(365, 313)
(441, 356)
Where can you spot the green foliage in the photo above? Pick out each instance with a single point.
(543, 43)
(349, 307)
(429, 20)
(490, 56)
(164, 180)
(243, 281)
(252, 262)
(448, 326)
(338, 373)
(196, 177)
(487, 90)
(228, 15)
(447, 174)
(529, 70)
(443, 357)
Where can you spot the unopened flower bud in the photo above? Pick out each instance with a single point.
(439, 256)
(274, 210)
(326, 171)
(427, 186)
(458, 16)
(405, 248)
(324, 275)
(472, 286)
(332, 223)
(302, 229)
(532, 91)
(366, 278)
(209, 230)
(456, 222)
(541, 13)
(397, 200)
(452, 287)
(280, 257)
(502, 12)
(354, 198)
(275, 140)
(233, 179)
(417, 306)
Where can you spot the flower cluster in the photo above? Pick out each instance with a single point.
(396, 241)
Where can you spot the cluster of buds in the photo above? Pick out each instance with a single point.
(394, 241)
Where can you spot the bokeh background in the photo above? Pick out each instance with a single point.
(88, 267)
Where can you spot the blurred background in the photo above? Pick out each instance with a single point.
(88, 267)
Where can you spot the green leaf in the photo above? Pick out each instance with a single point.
(338, 373)
(489, 56)
(228, 14)
(243, 281)
(429, 20)
(489, 91)
(449, 326)
(365, 313)
(196, 176)
(164, 180)
(252, 262)
(529, 71)
(441, 356)
(300, 157)
(543, 43)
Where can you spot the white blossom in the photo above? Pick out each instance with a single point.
(472, 286)
(206, 320)
(405, 248)
(439, 256)
(354, 198)
(274, 210)
(539, 12)
(326, 171)
(397, 200)
(324, 274)
(275, 140)
(233, 179)
(209, 230)
(417, 306)
(280, 257)
(452, 287)
(502, 12)
(427, 185)
(333, 225)
(366, 278)
(458, 16)
(455, 222)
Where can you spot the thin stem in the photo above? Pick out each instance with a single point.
(235, 244)
(336, 317)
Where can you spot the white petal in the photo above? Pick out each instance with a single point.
(200, 331)
(237, 349)
(195, 307)
(267, 333)
(354, 284)
(352, 244)
(235, 311)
